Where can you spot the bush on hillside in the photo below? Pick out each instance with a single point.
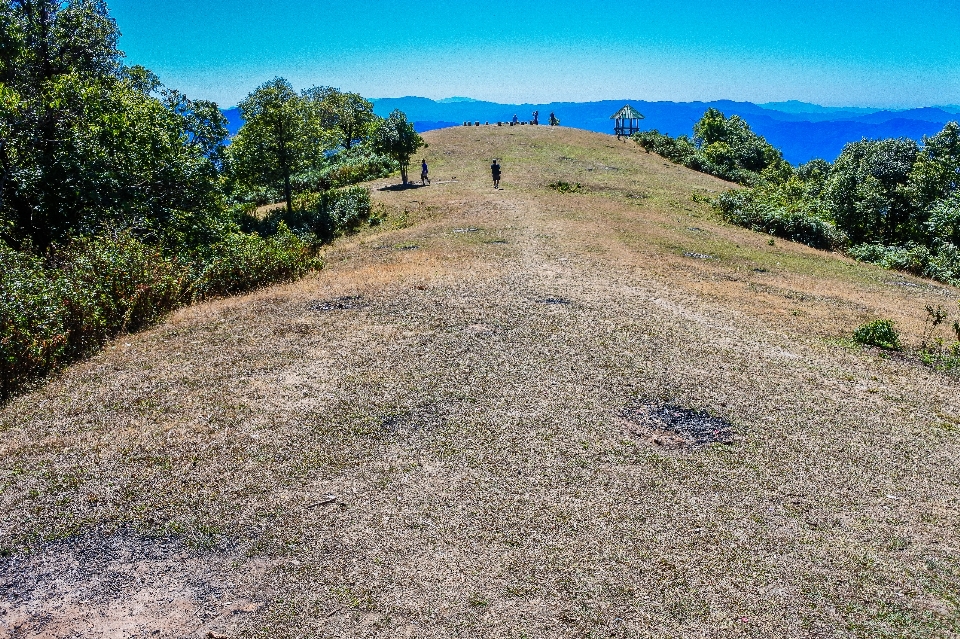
(721, 146)
(241, 262)
(746, 208)
(562, 186)
(67, 305)
(317, 217)
(880, 333)
(891, 202)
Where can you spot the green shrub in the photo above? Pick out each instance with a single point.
(241, 262)
(55, 311)
(318, 217)
(749, 208)
(63, 307)
(881, 333)
(561, 186)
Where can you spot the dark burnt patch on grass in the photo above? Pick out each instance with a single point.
(671, 426)
(345, 303)
(421, 419)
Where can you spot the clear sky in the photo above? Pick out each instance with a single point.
(881, 53)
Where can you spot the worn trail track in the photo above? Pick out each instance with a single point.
(433, 436)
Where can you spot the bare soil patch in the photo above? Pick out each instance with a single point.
(120, 586)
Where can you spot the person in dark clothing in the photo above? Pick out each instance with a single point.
(536, 118)
(495, 170)
(424, 173)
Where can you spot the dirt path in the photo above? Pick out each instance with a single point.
(454, 431)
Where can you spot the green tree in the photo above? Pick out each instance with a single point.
(935, 174)
(347, 117)
(868, 195)
(730, 145)
(271, 145)
(84, 141)
(944, 221)
(396, 138)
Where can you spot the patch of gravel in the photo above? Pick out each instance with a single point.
(673, 426)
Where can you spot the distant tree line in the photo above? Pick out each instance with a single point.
(121, 198)
(892, 202)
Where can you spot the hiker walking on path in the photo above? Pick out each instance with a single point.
(495, 170)
(553, 120)
(536, 118)
(424, 173)
(515, 120)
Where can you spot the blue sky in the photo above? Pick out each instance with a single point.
(881, 53)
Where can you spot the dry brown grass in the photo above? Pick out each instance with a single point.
(447, 455)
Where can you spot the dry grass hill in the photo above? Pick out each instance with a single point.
(469, 425)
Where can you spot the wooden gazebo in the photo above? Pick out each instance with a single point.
(628, 121)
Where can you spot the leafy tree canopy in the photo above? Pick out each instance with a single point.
(396, 138)
(88, 142)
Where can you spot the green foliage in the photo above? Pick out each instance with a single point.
(295, 143)
(721, 146)
(86, 144)
(766, 212)
(395, 137)
(317, 217)
(561, 186)
(880, 333)
(680, 150)
(891, 202)
(272, 144)
(66, 306)
(240, 262)
(347, 117)
(867, 191)
(935, 352)
(344, 168)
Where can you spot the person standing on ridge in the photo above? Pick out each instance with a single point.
(515, 120)
(536, 118)
(424, 173)
(495, 170)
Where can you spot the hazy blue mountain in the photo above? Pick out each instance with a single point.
(796, 106)
(803, 131)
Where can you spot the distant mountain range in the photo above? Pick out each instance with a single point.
(801, 130)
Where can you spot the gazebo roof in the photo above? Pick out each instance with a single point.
(627, 112)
